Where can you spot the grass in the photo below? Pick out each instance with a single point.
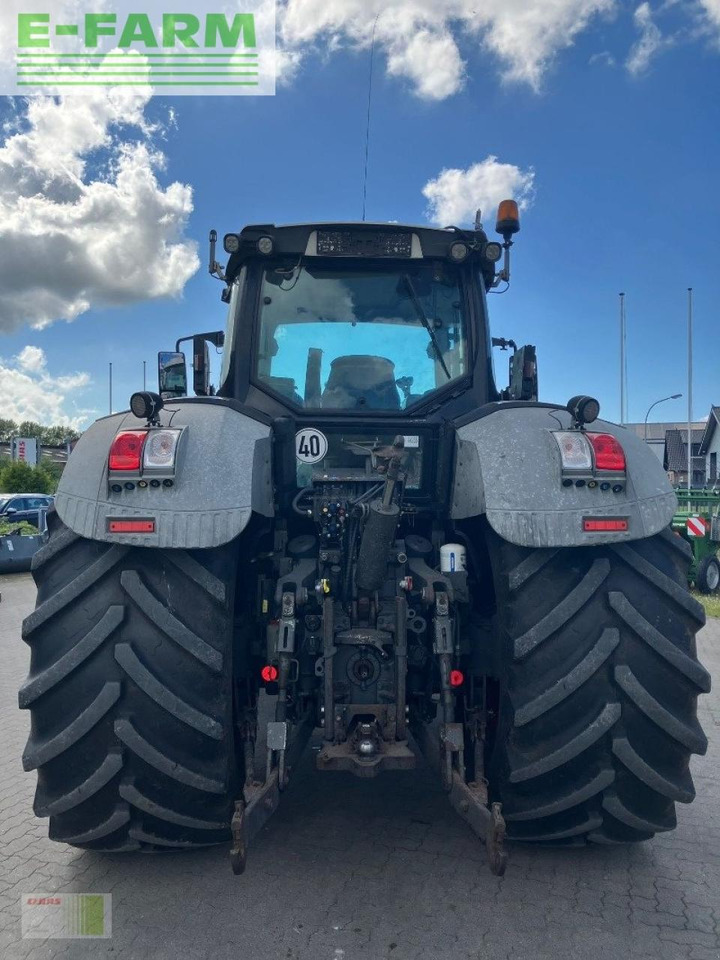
(711, 602)
(21, 528)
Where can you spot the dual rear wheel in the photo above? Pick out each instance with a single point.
(131, 692)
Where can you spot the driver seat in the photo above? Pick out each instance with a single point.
(361, 381)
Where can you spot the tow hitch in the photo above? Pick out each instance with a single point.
(260, 800)
(470, 800)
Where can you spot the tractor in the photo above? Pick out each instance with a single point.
(697, 521)
(359, 536)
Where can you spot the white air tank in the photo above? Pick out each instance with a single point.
(453, 558)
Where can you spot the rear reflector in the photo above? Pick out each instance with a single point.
(126, 451)
(456, 678)
(609, 455)
(607, 525)
(131, 526)
(269, 673)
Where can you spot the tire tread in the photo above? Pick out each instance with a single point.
(130, 691)
(598, 716)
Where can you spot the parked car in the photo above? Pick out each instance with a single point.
(18, 547)
(24, 506)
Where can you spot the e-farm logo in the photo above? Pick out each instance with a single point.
(210, 47)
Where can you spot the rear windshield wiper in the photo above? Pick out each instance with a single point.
(425, 322)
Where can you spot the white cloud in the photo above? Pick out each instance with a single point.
(431, 60)
(84, 221)
(650, 42)
(454, 195)
(712, 11)
(29, 392)
(604, 58)
(420, 38)
(32, 359)
(527, 36)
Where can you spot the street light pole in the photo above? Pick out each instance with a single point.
(675, 396)
(623, 368)
(690, 387)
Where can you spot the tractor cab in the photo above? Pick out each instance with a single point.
(357, 319)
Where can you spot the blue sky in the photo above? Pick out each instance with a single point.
(625, 197)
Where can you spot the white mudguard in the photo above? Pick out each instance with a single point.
(223, 473)
(508, 467)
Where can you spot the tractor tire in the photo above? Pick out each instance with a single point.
(597, 717)
(130, 693)
(708, 575)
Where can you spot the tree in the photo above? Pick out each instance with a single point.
(29, 428)
(52, 436)
(53, 470)
(20, 477)
(8, 430)
(58, 436)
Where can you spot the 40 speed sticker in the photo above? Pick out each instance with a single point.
(311, 445)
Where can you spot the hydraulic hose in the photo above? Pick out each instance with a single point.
(296, 502)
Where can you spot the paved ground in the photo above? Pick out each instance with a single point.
(373, 870)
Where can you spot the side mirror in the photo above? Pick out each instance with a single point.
(201, 360)
(201, 366)
(172, 375)
(10, 511)
(523, 375)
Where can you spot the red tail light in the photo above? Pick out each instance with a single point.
(609, 455)
(269, 673)
(609, 525)
(126, 450)
(456, 678)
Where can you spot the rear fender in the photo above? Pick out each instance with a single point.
(223, 474)
(508, 467)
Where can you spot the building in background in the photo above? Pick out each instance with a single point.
(676, 457)
(668, 441)
(656, 433)
(710, 447)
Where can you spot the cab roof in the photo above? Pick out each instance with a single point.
(349, 239)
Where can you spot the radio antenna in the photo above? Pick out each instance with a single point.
(369, 108)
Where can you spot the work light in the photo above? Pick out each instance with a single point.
(146, 405)
(458, 252)
(584, 409)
